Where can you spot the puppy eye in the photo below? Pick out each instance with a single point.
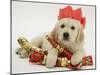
(62, 26)
(72, 27)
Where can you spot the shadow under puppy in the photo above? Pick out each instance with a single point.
(68, 32)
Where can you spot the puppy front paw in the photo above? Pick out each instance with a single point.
(51, 61)
(51, 58)
(77, 57)
(75, 60)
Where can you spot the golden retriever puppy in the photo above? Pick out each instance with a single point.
(68, 33)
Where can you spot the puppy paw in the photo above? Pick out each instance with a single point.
(23, 54)
(77, 58)
(18, 50)
(51, 58)
(51, 62)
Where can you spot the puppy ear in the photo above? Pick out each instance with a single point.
(54, 32)
(80, 35)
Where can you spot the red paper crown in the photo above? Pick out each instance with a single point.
(68, 12)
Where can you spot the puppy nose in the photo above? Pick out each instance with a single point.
(66, 35)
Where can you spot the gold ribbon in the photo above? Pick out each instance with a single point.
(64, 62)
(59, 48)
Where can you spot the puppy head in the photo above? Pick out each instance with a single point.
(68, 31)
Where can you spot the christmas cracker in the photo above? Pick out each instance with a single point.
(38, 55)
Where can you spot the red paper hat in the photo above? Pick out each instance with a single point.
(68, 12)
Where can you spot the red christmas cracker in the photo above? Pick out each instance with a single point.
(40, 58)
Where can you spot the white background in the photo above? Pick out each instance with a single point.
(5, 42)
(32, 19)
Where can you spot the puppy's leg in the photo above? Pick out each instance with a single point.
(37, 41)
(77, 57)
(22, 53)
(52, 58)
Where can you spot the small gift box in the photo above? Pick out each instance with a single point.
(36, 56)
